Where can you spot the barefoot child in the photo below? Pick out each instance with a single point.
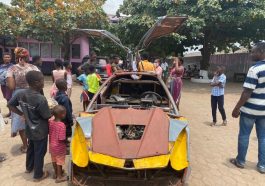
(36, 112)
(57, 142)
(83, 81)
(62, 99)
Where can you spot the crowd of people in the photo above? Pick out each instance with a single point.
(31, 117)
(22, 86)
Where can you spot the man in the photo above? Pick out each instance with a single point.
(145, 65)
(251, 108)
(36, 112)
(90, 60)
(217, 98)
(7, 93)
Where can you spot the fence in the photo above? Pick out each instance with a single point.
(234, 63)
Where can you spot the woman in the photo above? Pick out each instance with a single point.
(58, 73)
(16, 80)
(176, 74)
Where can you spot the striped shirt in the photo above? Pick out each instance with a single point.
(57, 137)
(255, 80)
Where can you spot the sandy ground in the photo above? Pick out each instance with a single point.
(211, 147)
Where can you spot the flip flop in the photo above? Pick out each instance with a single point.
(28, 171)
(60, 180)
(44, 176)
(236, 163)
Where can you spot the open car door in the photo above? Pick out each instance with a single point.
(163, 27)
(103, 34)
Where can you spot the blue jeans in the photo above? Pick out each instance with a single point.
(246, 125)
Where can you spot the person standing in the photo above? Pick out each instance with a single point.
(217, 98)
(57, 142)
(16, 80)
(69, 79)
(250, 108)
(115, 67)
(159, 70)
(36, 112)
(37, 61)
(58, 73)
(176, 75)
(7, 93)
(63, 100)
(164, 66)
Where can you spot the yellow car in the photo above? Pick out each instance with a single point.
(132, 133)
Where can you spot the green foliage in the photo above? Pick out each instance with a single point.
(53, 20)
(215, 24)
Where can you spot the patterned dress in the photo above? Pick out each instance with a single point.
(19, 72)
(176, 83)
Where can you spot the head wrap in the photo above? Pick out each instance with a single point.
(21, 52)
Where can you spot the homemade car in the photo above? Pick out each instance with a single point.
(132, 132)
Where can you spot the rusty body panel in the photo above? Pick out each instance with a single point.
(106, 141)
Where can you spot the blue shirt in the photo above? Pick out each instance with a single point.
(219, 90)
(83, 79)
(255, 80)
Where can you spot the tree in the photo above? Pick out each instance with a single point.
(215, 24)
(219, 24)
(6, 27)
(53, 20)
(143, 15)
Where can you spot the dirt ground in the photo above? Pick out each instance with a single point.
(211, 147)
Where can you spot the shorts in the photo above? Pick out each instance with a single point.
(58, 159)
(7, 93)
(90, 95)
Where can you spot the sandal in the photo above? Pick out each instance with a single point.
(2, 158)
(236, 163)
(28, 171)
(62, 179)
(44, 176)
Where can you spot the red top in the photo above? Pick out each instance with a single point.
(57, 137)
(108, 69)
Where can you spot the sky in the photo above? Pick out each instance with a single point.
(110, 7)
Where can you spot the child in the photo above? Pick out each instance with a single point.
(62, 99)
(217, 97)
(57, 142)
(93, 81)
(69, 80)
(36, 112)
(83, 81)
(58, 73)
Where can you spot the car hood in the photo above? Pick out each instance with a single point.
(153, 142)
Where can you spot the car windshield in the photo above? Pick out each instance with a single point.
(123, 91)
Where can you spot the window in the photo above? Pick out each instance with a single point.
(34, 49)
(45, 50)
(56, 51)
(23, 45)
(75, 51)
